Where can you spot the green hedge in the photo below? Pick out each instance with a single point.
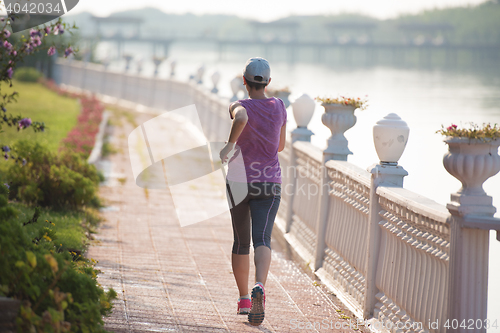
(62, 180)
(27, 74)
(58, 288)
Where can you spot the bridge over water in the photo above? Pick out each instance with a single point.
(423, 41)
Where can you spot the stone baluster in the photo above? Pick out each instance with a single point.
(390, 136)
(128, 59)
(104, 81)
(338, 118)
(157, 62)
(173, 64)
(303, 110)
(215, 80)
(243, 89)
(139, 66)
(236, 83)
(124, 84)
(199, 74)
(471, 161)
(106, 62)
(84, 69)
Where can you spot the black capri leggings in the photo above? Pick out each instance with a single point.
(260, 205)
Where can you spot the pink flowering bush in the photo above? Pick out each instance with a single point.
(81, 138)
(13, 49)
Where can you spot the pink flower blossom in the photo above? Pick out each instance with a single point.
(51, 51)
(58, 29)
(29, 48)
(68, 51)
(6, 33)
(36, 41)
(10, 72)
(25, 123)
(7, 45)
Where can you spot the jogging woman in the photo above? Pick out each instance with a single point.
(257, 133)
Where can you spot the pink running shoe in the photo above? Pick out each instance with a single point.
(244, 305)
(256, 315)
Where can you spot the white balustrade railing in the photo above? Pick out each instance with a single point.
(287, 180)
(389, 254)
(307, 176)
(412, 272)
(346, 232)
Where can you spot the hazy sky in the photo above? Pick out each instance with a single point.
(267, 10)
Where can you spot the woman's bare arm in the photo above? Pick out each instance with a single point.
(239, 122)
(240, 119)
(282, 138)
(232, 108)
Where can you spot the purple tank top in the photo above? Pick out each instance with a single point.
(259, 142)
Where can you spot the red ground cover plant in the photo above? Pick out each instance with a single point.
(81, 138)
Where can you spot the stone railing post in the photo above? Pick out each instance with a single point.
(338, 118)
(173, 63)
(139, 66)
(157, 62)
(236, 84)
(128, 59)
(471, 161)
(215, 80)
(386, 173)
(105, 64)
(84, 74)
(199, 74)
(303, 110)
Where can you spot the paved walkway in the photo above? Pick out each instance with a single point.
(173, 279)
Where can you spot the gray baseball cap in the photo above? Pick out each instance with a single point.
(257, 70)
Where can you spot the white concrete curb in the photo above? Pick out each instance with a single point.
(99, 140)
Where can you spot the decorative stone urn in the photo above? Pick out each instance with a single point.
(338, 118)
(283, 95)
(236, 85)
(390, 136)
(472, 162)
(243, 89)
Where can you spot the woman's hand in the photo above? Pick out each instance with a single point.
(225, 151)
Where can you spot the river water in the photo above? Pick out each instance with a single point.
(424, 98)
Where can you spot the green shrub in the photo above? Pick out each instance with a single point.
(6, 211)
(58, 289)
(74, 228)
(27, 74)
(52, 180)
(108, 149)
